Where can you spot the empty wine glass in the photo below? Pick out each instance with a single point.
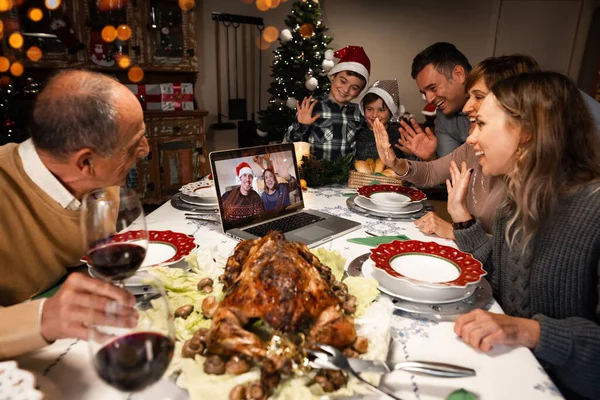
(131, 359)
(114, 232)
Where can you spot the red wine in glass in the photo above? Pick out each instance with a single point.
(116, 261)
(134, 361)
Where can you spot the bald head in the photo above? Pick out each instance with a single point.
(80, 109)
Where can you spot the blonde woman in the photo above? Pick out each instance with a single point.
(543, 258)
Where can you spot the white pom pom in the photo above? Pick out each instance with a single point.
(261, 133)
(327, 65)
(329, 54)
(311, 84)
(285, 35)
(401, 110)
(291, 102)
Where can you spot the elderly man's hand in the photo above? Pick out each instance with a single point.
(82, 301)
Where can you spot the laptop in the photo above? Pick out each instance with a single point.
(248, 210)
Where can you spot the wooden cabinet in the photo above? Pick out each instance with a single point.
(178, 154)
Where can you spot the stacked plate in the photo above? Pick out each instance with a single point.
(423, 272)
(200, 194)
(390, 199)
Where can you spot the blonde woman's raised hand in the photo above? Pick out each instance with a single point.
(431, 223)
(413, 140)
(457, 188)
(382, 141)
(305, 110)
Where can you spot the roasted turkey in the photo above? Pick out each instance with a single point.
(283, 284)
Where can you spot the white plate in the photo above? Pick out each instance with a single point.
(390, 200)
(368, 205)
(203, 190)
(417, 294)
(208, 204)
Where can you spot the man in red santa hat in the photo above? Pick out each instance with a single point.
(329, 123)
(242, 201)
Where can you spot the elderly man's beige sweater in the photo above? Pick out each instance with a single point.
(39, 239)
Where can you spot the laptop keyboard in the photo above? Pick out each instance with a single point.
(286, 224)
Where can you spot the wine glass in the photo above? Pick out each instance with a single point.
(131, 359)
(114, 232)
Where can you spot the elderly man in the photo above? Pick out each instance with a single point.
(440, 72)
(87, 132)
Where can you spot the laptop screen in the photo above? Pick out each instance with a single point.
(256, 184)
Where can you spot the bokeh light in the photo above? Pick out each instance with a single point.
(109, 33)
(135, 74)
(270, 34)
(262, 43)
(15, 40)
(16, 69)
(263, 5)
(187, 5)
(275, 3)
(52, 4)
(5, 5)
(35, 14)
(307, 30)
(111, 5)
(1, 26)
(123, 32)
(4, 64)
(5, 80)
(34, 53)
(124, 62)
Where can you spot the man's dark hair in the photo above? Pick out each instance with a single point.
(444, 57)
(76, 109)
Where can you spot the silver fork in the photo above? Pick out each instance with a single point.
(337, 359)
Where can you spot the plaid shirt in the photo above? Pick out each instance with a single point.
(332, 135)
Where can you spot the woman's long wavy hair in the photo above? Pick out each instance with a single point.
(559, 153)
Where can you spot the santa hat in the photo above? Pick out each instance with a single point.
(243, 168)
(352, 58)
(388, 91)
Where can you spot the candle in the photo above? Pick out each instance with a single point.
(301, 149)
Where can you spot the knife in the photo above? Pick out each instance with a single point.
(426, 368)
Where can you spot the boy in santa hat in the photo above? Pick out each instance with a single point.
(381, 101)
(242, 201)
(330, 122)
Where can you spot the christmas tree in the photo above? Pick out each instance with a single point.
(299, 69)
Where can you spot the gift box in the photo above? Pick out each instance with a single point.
(165, 96)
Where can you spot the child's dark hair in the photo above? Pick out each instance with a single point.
(356, 74)
(444, 57)
(371, 98)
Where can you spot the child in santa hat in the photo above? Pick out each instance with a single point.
(330, 122)
(242, 201)
(381, 101)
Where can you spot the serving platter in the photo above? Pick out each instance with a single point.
(386, 215)
(481, 297)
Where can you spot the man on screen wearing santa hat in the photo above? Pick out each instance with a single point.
(329, 123)
(242, 201)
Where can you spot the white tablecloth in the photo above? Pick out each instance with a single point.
(64, 368)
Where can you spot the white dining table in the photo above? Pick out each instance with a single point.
(64, 369)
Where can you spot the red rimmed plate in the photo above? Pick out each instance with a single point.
(164, 247)
(427, 264)
(203, 190)
(391, 196)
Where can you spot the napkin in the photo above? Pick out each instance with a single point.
(374, 241)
